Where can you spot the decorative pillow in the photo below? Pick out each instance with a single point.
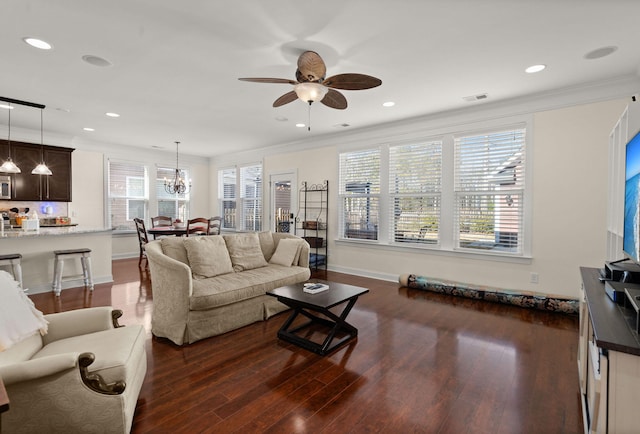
(19, 318)
(266, 244)
(208, 256)
(245, 251)
(174, 248)
(287, 252)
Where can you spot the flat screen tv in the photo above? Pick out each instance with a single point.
(631, 229)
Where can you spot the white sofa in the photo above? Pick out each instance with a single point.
(208, 285)
(83, 376)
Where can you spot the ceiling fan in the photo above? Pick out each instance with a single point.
(311, 85)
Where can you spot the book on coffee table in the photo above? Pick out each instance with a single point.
(314, 288)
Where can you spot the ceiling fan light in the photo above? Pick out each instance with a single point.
(310, 92)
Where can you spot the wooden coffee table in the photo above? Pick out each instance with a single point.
(310, 305)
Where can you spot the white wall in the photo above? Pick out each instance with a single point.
(569, 153)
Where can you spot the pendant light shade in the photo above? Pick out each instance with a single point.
(41, 169)
(8, 166)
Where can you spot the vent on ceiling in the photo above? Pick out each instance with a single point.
(478, 97)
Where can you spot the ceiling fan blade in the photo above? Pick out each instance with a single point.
(311, 67)
(334, 99)
(285, 99)
(352, 81)
(269, 80)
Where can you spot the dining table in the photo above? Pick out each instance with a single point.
(167, 231)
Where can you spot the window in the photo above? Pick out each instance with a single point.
(489, 190)
(227, 197)
(415, 173)
(359, 192)
(401, 194)
(171, 205)
(127, 195)
(242, 205)
(251, 195)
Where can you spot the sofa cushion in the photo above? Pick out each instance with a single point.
(117, 351)
(174, 248)
(231, 288)
(245, 251)
(287, 252)
(21, 351)
(267, 244)
(208, 256)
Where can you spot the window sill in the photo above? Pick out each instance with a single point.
(434, 249)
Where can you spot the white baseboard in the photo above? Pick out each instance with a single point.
(364, 273)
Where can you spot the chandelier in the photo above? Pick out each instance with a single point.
(179, 184)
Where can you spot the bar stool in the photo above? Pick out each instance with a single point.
(84, 254)
(13, 259)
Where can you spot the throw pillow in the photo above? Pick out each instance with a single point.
(174, 248)
(287, 251)
(19, 318)
(245, 251)
(266, 244)
(208, 256)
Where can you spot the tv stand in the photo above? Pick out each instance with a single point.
(618, 261)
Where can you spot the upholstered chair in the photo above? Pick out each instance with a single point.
(71, 372)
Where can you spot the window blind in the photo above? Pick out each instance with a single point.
(127, 193)
(489, 190)
(415, 173)
(227, 197)
(359, 192)
(251, 196)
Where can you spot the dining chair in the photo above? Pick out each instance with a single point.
(161, 220)
(215, 224)
(143, 239)
(197, 226)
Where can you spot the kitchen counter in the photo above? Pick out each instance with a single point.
(53, 231)
(36, 248)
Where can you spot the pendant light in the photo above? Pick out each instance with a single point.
(41, 169)
(178, 184)
(9, 166)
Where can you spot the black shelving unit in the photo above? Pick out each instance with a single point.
(311, 221)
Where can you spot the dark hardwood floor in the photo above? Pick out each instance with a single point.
(422, 363)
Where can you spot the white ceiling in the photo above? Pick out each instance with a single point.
(176, 64)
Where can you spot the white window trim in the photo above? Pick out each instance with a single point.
(447, 243)
(152, 198)
(238, 197)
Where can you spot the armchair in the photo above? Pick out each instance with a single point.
(83, 375)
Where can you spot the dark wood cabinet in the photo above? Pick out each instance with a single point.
(29, 187)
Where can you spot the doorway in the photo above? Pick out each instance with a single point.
(284, 201)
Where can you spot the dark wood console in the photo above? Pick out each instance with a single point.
(608, 359)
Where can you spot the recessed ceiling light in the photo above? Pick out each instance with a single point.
(600, 52)
(6, 107)
(38, 43)
(300, 125)
(281, 119)
(112, 115)
(62, 109)
(388, 104)
(96, 61)
(535, 68)
(88, 129)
